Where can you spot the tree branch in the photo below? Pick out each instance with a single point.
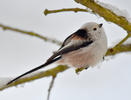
(121, 49)
(47, 39)
(51, 86)
(122, 41)
(46, 12)
(107, 14)
(47, 73)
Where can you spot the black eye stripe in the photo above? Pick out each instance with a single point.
(82, 33)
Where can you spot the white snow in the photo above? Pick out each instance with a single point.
(4, 81)
(128, 41)
(119, 12)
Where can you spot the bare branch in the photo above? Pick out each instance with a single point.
(122, 41)
(121, 49)
(47, 39)
(46, 12)
(51, 86)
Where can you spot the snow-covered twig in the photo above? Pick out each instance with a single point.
(107, 14)
(117, 11)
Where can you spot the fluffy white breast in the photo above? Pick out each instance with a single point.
(90, 55)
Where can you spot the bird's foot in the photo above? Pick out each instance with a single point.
(80, 69)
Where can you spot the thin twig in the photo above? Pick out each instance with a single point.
(46, 12)
(119, 47)
(47, 39)
(122, 41)
(51, 86)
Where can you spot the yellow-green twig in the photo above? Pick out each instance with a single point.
(51, 86)
(47, 73)
(119, 47)
(4, 27)
(122, 41)
(46, 12)
(122, 49)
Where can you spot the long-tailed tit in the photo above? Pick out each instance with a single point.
(85, 47)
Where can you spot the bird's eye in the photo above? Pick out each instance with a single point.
(94, 29)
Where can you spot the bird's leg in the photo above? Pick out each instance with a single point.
(86, 68)
(80, 69)
(103, 58)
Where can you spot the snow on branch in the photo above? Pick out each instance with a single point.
(117, 11)
(106, 13)
(3, 81)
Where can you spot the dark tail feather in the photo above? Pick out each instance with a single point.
(35, 69)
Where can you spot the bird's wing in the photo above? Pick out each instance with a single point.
(78, 35)
(75, 41)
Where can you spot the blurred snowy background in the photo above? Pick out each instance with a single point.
(19, 53)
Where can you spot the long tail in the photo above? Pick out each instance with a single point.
(35, 69)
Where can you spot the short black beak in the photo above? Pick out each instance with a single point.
(100, 25)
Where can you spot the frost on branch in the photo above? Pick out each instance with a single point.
(119, 12)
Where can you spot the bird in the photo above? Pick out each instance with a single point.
(83, 49)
